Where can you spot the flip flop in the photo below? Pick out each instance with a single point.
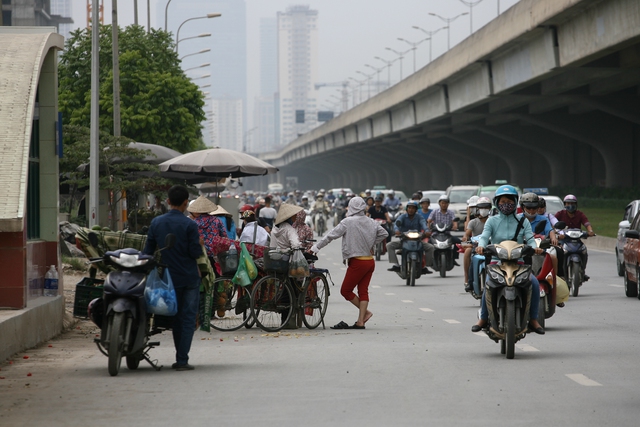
(355, 326)
(341, 325)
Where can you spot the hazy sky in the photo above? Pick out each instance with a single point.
(351, 32)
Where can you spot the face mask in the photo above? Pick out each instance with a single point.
(507, 208)
(483, 212)
(530, 216)
(571, 208)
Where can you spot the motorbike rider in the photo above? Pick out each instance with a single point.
(291, 199)
(503, 227)
(377, 211)
(405, 222)
(446, 216)
(391, 202)
(425, 211)
(474, 228)
(542, 210)
(340, 205)
(320, 207)
(530, 202)
(472, 210)
(304, 203)
(330, 196)
(369, 202)
(417, 196)
(575, 219)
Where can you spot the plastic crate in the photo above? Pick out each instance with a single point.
(86, 290)
(228, 263)
(276, 261)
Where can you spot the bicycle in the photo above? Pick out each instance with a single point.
(276, 296)
(231, 305)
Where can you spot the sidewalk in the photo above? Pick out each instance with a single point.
(607, 244)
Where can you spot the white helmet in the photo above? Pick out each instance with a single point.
(473, 201)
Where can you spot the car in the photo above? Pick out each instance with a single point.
(337, 191)
(631, 256)
(433, 195)
(458, 196)
(630, 212)
(554, 203)
(490, 190)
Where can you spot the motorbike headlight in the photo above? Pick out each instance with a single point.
(128, 261)
(412, 234)
(502, 253)
(520, 278)
(574, 234)
(495, 276)
(442, 245)
(516, 253)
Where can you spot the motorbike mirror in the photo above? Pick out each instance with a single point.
(540, 227)
(169, 241)
(560, 225)
(93, 239)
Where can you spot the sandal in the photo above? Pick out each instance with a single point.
(341, 325)
(355, 326)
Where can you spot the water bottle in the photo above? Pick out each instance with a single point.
(51, 282)
(232, 250)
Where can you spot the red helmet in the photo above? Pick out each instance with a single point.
(246, 208)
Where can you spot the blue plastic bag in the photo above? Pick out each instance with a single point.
(160, 295)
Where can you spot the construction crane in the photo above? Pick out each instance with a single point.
(344, 92)
(100, 13)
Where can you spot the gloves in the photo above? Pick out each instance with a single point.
(314, 249)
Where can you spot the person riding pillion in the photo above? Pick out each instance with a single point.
(410, 220)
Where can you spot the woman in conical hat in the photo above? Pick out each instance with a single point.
(227, 220)
(209, 226)
(283, 235)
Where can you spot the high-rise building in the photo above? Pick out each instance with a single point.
(297, 71)
(63, 8)
(227, 129)
(31, 13)
(228, 59)
(264, 136)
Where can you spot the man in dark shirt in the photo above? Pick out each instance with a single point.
(181, 261)
(574, 218)
(377, 211)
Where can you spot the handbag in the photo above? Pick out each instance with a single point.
(247, 270)
(159, 293)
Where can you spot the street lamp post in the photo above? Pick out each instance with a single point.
(359, 85)
(196, 53)
(448, 21)
(471, 5)
(400, 56)
(414, 47)
(388, 68)
(204, 76)
(192, 37)
(207, 16)
(430, 34)
(368, 80)
(166, 8)
(206, 64)
(377, 70)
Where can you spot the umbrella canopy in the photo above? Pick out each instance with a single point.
(158, 154)
(216, 162)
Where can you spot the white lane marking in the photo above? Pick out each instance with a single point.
(451, 321)
(617, 286)
(428, 310)
(389, 293)
(582, 380)
(336, 263)
(526, 347)
(343, 268)
(375, 286)
(480, 334)
(407, 301)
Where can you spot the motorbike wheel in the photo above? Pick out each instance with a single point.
(503, 342)
(414, 272)
(510, 332)
(133, 361)
(409, 273)
(542, 310)
(116, 342)
(443, 264)
(574, 272)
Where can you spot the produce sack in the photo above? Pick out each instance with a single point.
(159, 293)
(247, 270)
(298, 265)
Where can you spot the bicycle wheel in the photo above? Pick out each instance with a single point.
(313, 300)
(271, 303)
(230, 301)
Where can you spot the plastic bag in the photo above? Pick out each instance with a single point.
(298, 265)
(160, 295)
(247, 270)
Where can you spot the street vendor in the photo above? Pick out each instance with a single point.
(209, 226)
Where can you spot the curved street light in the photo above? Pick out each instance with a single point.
(359, 85)
(378, 71)
(206, 64)
(448, 21)
(414, 47)
(388, 68)
(204, 76)
(430, 34)
(192, 37)
(368, 80)
(207, 16)
(471, 5)
(400, 56)
(166, 8)
(196, 53)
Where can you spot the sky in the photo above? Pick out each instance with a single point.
(351, 32)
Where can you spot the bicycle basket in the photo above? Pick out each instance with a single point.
(276, 261)
(228, 263)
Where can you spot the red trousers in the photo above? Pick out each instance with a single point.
(358, 275)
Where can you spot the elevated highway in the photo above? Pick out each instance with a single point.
(546, 94)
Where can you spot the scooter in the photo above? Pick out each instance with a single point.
(320, 223)
(412, 253)
(121, 313)
(542, 268)
(574, 253)
(508, 295)
(477, 271)
(443, 256)
(381, 248)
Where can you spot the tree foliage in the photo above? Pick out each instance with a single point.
(158, 103)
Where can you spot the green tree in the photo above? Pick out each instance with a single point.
(159, 104)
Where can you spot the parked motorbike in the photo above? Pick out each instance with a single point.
(121, 313)
(381, 247)
(412, 253)
(574, 252)
(443, 256)
(508, 295)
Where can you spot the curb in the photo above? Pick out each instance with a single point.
(601, 243)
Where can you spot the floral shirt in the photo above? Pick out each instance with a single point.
(210, 226)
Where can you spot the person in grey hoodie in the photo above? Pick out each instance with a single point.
(359, 235)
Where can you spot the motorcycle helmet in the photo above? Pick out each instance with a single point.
(425, 199)
(245, 208)
(542, 203)
(392, 193)
(416, 196)
(570, 203)
(473, 201)
(529, 200)
(483, 203)
(378, 199)
(412, 203)
(510, 192)
(443, 198)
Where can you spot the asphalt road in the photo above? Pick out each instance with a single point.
(417, 363)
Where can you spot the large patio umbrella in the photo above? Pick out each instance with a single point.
(157, 155)
(200, 166)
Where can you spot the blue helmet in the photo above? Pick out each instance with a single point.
(505, 190)
(413, 203)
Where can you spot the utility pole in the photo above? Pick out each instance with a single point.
(94, 167)
(116, 69)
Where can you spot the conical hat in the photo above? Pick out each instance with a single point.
(286, 211)
(220, 211)
(202, 205)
